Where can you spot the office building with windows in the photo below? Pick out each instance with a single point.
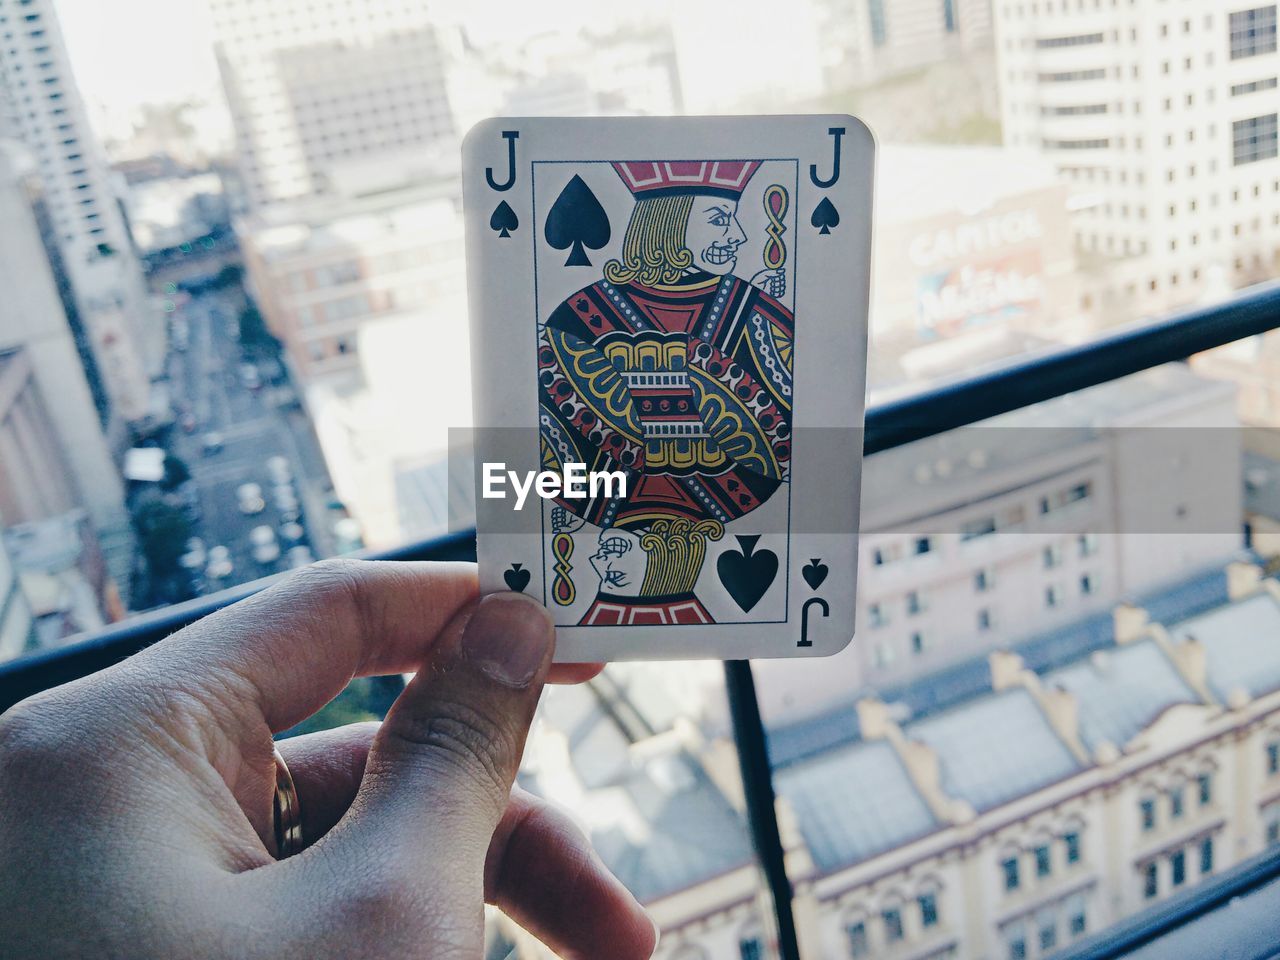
(316, 87)
(42, 106)
(1162, 118)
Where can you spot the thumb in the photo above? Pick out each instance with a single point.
(441, 767)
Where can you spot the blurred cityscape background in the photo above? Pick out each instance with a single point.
(232, 286)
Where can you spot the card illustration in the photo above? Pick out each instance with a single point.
(649, 308)
(676, 371)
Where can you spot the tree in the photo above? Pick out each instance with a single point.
(163, 530)
(253, 330)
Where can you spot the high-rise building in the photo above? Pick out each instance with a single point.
(1162, 116)
(313, 87)
(43, 107)
(867, 40)
(53, 455)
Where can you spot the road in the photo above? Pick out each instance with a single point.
(206, 383)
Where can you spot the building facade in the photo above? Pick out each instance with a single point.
(44, 108)
(1006, 826)
(1162, 118)
(53, 454)
(312, 89)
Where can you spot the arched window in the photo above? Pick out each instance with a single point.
(857, 938)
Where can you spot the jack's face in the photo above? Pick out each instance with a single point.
(619, 562)
(714, 234)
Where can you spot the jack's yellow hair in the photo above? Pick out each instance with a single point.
(653, 248)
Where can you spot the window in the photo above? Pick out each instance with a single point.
(1206, 855)
(1253, 139)
(1087, 544)
(878, 32)
(922, 546)
(1097, 143)
(1147, 809)
(1016, 940)
(1242, 89)
(984, 619)
(883, 654)
(928, 909)
(1204, 785)
(751, 949)
(1052, 556)
(1010, 869)
(983, 580)
(1064, 498)
(1048, 927)
(877, 616)
(1077, 922)
(1051, 596)
(917, 642)
(1072, 842)
(1044, 863)
(1086, 584)
(915, 605)
(1085, 39)
(1273, 758)
(892, 918)
(1252, 32)
(973, 529)
(1175, 803)
(1178, 867)
(1151, 880)
(1071, 76)
(949, 15)
(858, 943)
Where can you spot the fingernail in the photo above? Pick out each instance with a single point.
(507, 637)
(657, 934)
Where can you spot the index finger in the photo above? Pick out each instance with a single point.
(292, 648)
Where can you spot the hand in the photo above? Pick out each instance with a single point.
(136, 804)
(772, 282)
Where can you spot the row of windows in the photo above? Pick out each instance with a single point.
(892, 927)
(1252, 32)
(1075, 40)
(1147, 806)
(1240, 89)
(1046, 923)
(1042, 858)
(1091, 144)
(1071, 76)
(1087, 109)
(1177, 869)
(1254, 139)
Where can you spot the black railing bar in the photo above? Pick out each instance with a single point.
(1131, 933)
(1057, 372)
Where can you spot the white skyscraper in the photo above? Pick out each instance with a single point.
(1162, 116)
(314, 88)
(40, 104)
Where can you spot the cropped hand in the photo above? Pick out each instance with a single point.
(136, 804)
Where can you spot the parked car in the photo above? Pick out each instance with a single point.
(250, 379)
(220, 565)
(292, 531)
(279, 471)
(212, 442)
(249, 499)
(299, 556)
(265, 547)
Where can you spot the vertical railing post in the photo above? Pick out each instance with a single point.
(757, 786)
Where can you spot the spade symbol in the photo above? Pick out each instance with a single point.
(577, 220)
(517, 578)
(504, 219)
(814, 572)
(747, 575)
(825, 216)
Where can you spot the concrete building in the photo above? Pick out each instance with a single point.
(53, 454)
(367, 292)
(1011, 824)
(992, 534)
(16, 624)
(868, 40)
(312, 88)
(44, 108)
(1162, 118)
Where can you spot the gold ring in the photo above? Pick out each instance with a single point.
(288, 818)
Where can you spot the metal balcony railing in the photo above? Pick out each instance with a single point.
(943, 407)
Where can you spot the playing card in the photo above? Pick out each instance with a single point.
(669, 330)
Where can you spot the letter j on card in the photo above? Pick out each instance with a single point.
(676, 309)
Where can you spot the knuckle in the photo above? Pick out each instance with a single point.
(463, 740)
(31, 732)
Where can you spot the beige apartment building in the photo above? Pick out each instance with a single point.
(1004, 827)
